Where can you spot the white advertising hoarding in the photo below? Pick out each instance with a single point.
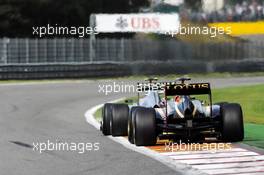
(146, 23)
(174, 2)
(212, 5)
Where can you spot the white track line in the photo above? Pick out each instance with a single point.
(259, 173)
(214, 155)
(236, 170)
(204, 152)
(177, 166)
(229, 165)
(231, 161)
(223, 160)
(44, 82)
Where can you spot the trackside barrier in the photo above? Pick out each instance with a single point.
(23, 58)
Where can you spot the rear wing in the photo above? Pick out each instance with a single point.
(187, 89)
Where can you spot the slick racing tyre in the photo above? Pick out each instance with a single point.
(221, 103)
(232, 128)
(144, 129)
(119, 120)
(131, 121)
(106, 116)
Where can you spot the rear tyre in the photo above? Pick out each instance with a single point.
(144, 128)
(131, 121)
(119, 120)
(232, 129)
(106, 116)
(221, 103)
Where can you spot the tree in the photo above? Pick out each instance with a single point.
(18, 17)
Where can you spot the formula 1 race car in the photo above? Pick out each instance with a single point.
(115, 117)
(180, 115)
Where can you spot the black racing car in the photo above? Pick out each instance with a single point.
(115, 117)
(179, 116)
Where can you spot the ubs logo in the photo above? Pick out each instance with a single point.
(137, 23)
(121, 23)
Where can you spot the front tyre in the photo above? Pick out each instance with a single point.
(144, 129)
(232, 127)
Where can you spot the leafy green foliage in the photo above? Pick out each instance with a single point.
(18, 17)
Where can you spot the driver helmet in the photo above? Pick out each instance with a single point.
(184, 106)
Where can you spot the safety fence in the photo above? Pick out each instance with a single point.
(63, 58)
(53, 51)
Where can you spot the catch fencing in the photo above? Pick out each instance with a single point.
(23, 58)
(53, 51)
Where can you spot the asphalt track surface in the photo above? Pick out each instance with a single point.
(32, 113)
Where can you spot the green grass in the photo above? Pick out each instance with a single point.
(254, 135)
(98, 114)
(251, 99)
